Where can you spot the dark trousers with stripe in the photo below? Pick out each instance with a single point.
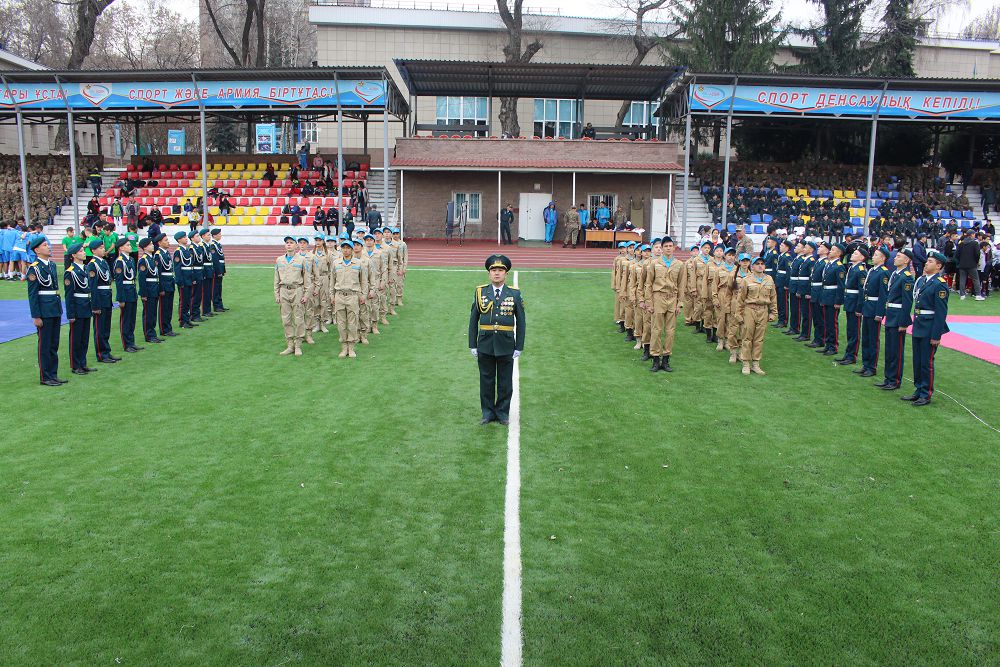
(79, 342)
(871, 328)
(895, 346)
(207, 291)
(166, 308)
(217, 293)
(496, 385)
(853, 336)
(102, 333)
(126, 324)
(184, 304)
(149, 308)
(819, 323)
(194, 300)
(831, 327)
(48, 348)
(782, 305)
(805, 317)
(923, 367)
(794, 302)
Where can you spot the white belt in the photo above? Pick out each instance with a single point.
(782, 272)
(82, 295)
(222, 261)
(852, 291)
(893, 305)
(166, 274)
(186, 268)
(830, 287)
(816, 284)
(48, 292)
(925, 312)
(871, 298)
(104, 287)
(152, 280)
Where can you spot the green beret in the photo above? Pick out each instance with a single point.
(75, 248)
(193, 233)
(96, 243)
(939, 256)
(179, 235)
(203, 232)
(120, 242)
(37, 241)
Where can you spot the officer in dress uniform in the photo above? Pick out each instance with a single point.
(930, 314)
(127, 296)
(149, 290)
(815, 294)
(184, 279)
(898, 304)
(496, 339)
(794, 296)
(875, 289)
(46, 310)
(219, 259)
(197, 273)
(165, 269)
(78, 310)
(832, 298)
(806, 304)
(207, 272)
(781, 268)
(100, 284)
(854, 301)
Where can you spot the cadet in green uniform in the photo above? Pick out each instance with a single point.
(46, 309)
(127, 296)
(930, 312)
(496, 339)
(100, 296)
(78, 310)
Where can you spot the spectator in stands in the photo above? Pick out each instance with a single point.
(329, 172)
(363, 201)
(269, 175)
(989, 230)
(318, 163)
(116, 211)
(967, 257)
(985, 266)
(319, 220)
(224, 208)
(304, 157)
(95, 180)
(589, 132)
(94, 206)
(132, 213)
(296, 214)
(603, 215)
(155, 217)
(373, 218)
(194, 218)
(293, 175)
(308, 190)
(349, 221)
(919, 254)
(333, 219)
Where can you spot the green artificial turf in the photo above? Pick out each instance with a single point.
(209, 502)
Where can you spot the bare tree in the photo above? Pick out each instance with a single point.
(252, 16)
(642, 40)
(36, 30)
(984, 26)
(147, 36)
(87, 13)
(513, 53)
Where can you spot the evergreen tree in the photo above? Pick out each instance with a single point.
(837, 42)
(897, 42)
(726, 36)
(223, 136)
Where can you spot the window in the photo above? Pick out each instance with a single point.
(555, 118)
(594, 202)
(474, 201)
(463, 111)
(309, 132)
(640, 114)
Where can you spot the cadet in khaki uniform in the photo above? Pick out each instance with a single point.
(635, 294)
(711, 317)
(377, 276)
(392, 288)
(734, 328)
(364, 323)
(292, 281)
(644, 315)
(631, 305)
(381, 308)
(311, 294)
(758, 305)
(332, 257)
(663, 290)
(699, 286)
(722, 296)
(572, 221)
(321, 277)
(689, 282)
(404, 263)
(347, 291)
(615, 271)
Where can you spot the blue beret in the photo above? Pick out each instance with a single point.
(95, 244)
(179, 235)
(939, 256)
(193, 233)
(743, 255)
(75, 248)
(37, 241)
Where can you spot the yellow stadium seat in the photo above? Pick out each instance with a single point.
(238, 167)
(182, 220)
(803, 192)
(259, 220)
(838, 194)
(850, 194)
(214, 210)
(806, 218)
(189, 192)
(227, 167)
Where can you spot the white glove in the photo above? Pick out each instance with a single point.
(474, 351)
(517, 353)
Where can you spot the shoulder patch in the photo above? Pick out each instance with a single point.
(942, 294)
(67, 281)
(33, 264)
(31, 276)
(118, 269)
(908, 286)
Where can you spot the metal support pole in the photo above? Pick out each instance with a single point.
(499, 204)
(204, 152)
(871, 156)
(670, 202)
(687, 170)
(402, 230)
(340, 152)
(729, 143)
(573, 198)
(72, 154)
(385, 148)
(20, 153)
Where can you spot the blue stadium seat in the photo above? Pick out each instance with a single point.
(872, 212)
(718, 226)
(758, 229)
(731, 228)
(956, 214)
(704, 189)
(894, 195)
(780, 191)
(767, 217)
(857, 203)
(828, 194)
(815, 193)
(966, 224)
(862, 194)
(935, 214)
(969, 215)
(894, 179)
(755, 218)
(942, 213)
(856, 221)
(947, 189)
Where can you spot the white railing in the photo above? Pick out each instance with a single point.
(438, 5)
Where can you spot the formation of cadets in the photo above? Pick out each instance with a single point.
(92, 287)
(355, 283)
(801, 285)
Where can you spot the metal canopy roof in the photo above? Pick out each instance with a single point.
(560, 80)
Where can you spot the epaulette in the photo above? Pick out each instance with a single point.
(906, 273)
(33, 263)
(482, 286)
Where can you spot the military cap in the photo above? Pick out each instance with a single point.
(907, 252)
(75, 248)
(706, 242)
(193, 233)
(179, 235)
(812, 244)
(694, 246)
(159, 237)
(369, 236)
(395, 230)
(95, 244)
(289, 238)
(37, 241)
(347, 243)
(882, 249)
(303, 239)
(345, 235)
(204, 231)
(826, 244)
(630, 244)
(122, 241)
(730, 251)
(320, 237)
(865, 251)
(377, 231)
(645, 246)
(841, 247)
(758, 259)
(145, 243)
(788, 243)
(939, 256)
(216, 231)
(655, 241)
(743, 255)
(498, 262)
(719, 246)
(358, 242)
(387, 229)
(622, 244)
(666, 239)
(740, 228)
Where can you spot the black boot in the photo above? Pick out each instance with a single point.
(645, 353)
(715, 335)
(666, 364)
(699, 328)
(629, 335)
(657, 364)
(708, 334)
(621, 327)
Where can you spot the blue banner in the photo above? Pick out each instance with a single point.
(174, 94)
(176, 142)
(813, 101)
(266, 138)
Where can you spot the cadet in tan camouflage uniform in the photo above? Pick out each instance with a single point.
(307, 258)
(404, 263)
(392, 288)
(615, 271)
(321, 278)
(758, 305)
(291, 284)
(377, 276)
(348, 290)
(722, 298)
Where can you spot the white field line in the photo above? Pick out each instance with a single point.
(511, 642)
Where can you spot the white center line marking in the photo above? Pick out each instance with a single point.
(511, 643)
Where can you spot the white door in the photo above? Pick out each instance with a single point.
(530, 224)
(658, 218)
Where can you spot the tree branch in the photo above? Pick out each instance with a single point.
(222, 38)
